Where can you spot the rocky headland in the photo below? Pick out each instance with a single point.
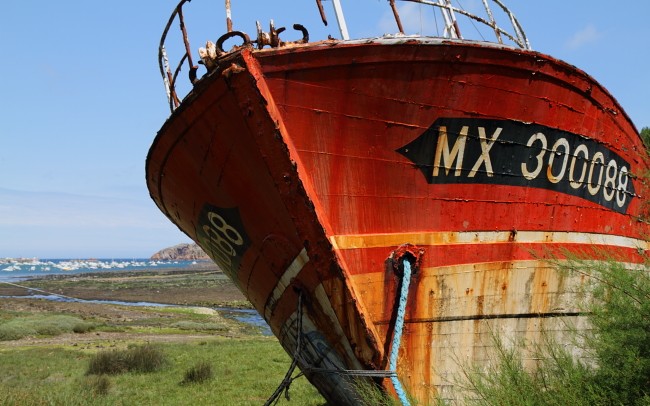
(181, 252)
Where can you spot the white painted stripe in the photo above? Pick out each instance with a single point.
(291, 272)
(326, 305)
(483, 237)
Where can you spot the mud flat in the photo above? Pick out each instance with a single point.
(192, 293)
(201, 286)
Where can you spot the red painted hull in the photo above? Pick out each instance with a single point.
(299, 170)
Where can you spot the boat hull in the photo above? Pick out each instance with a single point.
(302, 170)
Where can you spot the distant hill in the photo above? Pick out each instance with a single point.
(181, 252)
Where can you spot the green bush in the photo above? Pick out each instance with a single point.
(621, 345)
(145, 358)
(199, 373)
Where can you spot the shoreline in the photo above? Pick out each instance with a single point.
(202, 285)
(189, 298)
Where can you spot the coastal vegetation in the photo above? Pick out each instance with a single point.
(245, 371)
(85, 353)
(111, 353)
(19, 327)
(102, 354)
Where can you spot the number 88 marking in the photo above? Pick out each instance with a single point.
(221, 237)
(226, 229)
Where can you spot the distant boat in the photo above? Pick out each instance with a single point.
(12, 268)
(388, 203)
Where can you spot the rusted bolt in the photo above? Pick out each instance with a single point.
(406, 252)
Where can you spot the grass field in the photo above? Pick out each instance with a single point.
(246, 371)
(46, 347)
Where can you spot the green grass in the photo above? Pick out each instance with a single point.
(42, 325)
(196, 326)
(245, 372)
(168, 320)
(140, 280)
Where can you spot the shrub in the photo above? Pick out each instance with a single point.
(107, 362)
(620, 316)
(199, 373)
(145, 358)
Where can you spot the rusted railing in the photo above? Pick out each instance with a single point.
(213, 52)
(163, 61)
(452, 30)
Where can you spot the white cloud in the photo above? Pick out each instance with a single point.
(585, 36)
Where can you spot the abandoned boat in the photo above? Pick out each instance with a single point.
(388, 203)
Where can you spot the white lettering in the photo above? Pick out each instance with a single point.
(457, 151)
(591, 186)
(530, 175)
(609, 186)
(577, 183)
(549, 171)
(485, 152)
(621, 195)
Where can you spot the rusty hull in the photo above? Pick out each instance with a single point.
(300, 172)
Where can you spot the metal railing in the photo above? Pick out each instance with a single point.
(449, 10)
(452, 29)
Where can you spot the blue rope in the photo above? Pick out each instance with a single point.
(397, 335)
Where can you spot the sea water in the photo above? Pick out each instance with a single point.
(21, 269)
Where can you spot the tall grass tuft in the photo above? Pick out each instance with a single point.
(145, 358)
(371, 395)
(198, 373)
(98, 384)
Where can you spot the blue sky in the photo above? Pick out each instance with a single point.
(81, 100)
